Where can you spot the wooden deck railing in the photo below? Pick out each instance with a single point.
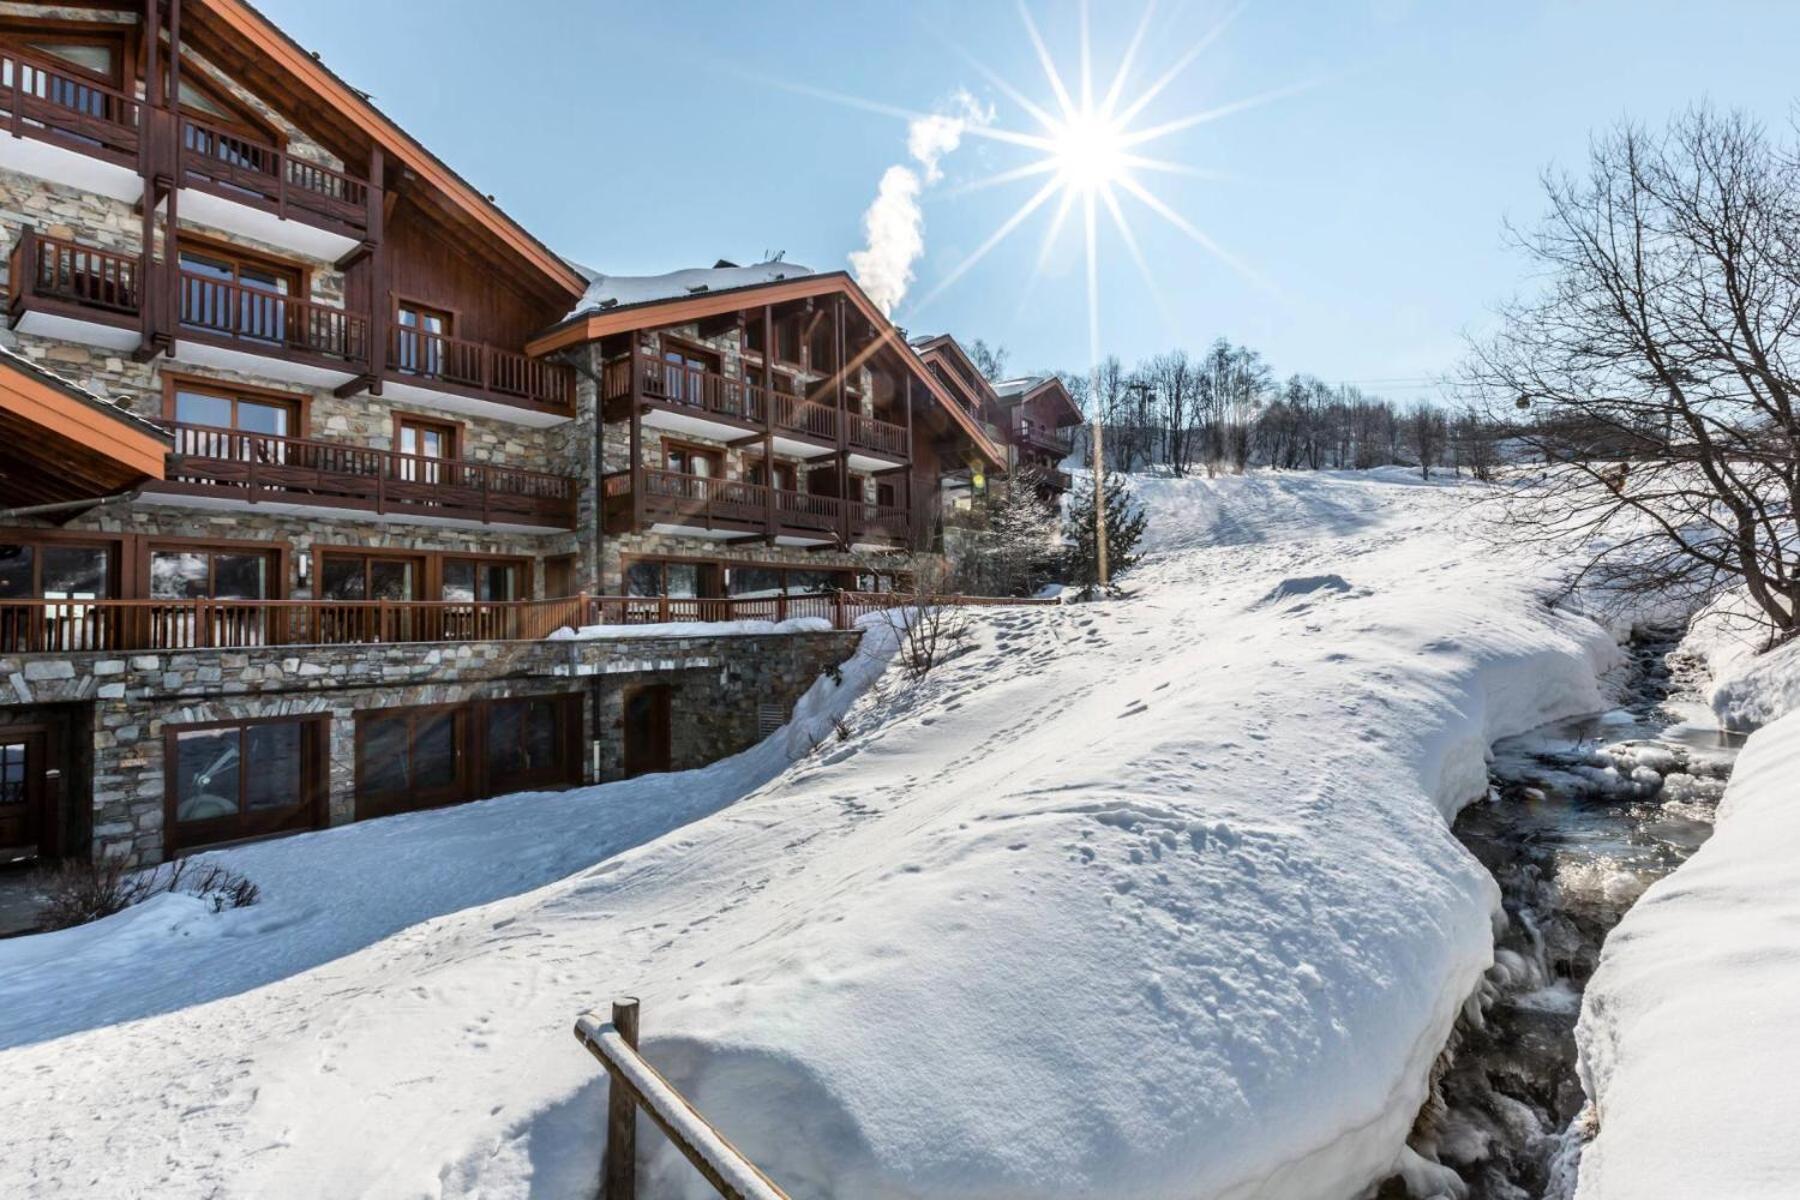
(882, 520)
(66, 626)
(480, 366)
(57, 269)
(881, 437)
(635, 1084)
(47, 102)
(1037, 433)
(263, 319)
(266, 466)
(256, 173)
(706, 500)
(842, 609)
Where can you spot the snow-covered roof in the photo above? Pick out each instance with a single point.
(616, 291)
(1008, 388)
(12, 358)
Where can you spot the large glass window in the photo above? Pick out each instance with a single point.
(524, 737)
(420, 339)
(243, 780)
(366, 577)
(53, 571)
(222, 410)
(644, 578)
(409, 758)
(754, 582)
(470, 579)
(201, 574)
(234, 296)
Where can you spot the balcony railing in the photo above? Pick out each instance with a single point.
(730, 503)
(744, 400)
(251, 172)
(260, 466)
(880, 520)
(59, 627)
(71, 274)
(1027, 432)
(478, 366)
(46, 102)
(842, 609)
(271, 320)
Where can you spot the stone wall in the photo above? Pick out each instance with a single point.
(126, 702)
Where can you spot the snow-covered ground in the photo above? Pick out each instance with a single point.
(1689, 1025)
(1143, 899)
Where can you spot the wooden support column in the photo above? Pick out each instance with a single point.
(912, 468)
(380, 298)
(843, 420)
(768, 374)
(173, 148)
(148, 166)
(637, 434)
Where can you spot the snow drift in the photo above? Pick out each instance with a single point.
(1154, 898)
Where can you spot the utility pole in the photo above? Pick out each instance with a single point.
(1100, 503)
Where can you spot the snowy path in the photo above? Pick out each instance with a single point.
(1155, 898)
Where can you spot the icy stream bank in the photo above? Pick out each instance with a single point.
(1583, 816)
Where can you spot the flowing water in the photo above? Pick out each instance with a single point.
(1582, 816)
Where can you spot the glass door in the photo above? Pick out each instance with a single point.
(425, 444)
(420, 337)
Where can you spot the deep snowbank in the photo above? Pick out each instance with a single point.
(1688, 1026)
(1144, 899)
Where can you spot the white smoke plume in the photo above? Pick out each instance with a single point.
(894, 226)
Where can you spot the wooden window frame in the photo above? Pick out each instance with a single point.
(715, 453)
(457, 430)
(240, 256)
(315, 777)
(520, 567)
(18, 32)
(687, 346)
(459, 790)
(280, 551)
(300, 403)
(570, 735)
(117, 564)
(428, 564)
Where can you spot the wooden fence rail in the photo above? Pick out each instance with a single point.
(634, 1084)
(842, 609)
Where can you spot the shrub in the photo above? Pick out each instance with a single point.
(77, 892)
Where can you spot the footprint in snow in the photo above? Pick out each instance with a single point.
(1134, 708)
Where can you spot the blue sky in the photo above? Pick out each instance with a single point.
(640, 137)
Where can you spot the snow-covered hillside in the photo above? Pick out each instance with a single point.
(1143, 899)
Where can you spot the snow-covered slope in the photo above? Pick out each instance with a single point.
(1144, 899)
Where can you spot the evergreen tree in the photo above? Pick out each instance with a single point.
(1125, 521)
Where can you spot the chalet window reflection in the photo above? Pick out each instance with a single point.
(232, 781)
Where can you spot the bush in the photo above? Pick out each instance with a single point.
(77, 892)
(1125, 521)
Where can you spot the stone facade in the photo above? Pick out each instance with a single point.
(117, 708)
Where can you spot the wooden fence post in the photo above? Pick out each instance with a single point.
(618, 1172)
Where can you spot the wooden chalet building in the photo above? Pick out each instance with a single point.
(1032, 418)
(276, 377)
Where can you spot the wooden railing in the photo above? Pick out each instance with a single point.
(841, 609)
(635, 1084)
(383, 481)
(46, 102)
(1037, 433)
(480, 366)
(57, 269)
(263, 319)
(253, 172)
(670, 383)
(805, 416)
(883, 520)
(706, 500)
(65, 626)
(867, 433)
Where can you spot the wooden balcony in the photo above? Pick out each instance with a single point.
(68, 128)
(257, 190)
(727, 408)
(719, 509)
(443, 371)
(110, 626)
(241, 327)
(1040, 436)
(232, 467)
(61, 289)
(882, 524)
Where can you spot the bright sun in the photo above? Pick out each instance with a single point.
(1089, 152)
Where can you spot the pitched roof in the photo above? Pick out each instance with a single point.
(606, 292)
(61, 444)
(589, 325)
(1029, 387)
(270, 41)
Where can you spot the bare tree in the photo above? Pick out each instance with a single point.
(1658, 365)
(1425, 427)
(1172, 377)
(989, 360)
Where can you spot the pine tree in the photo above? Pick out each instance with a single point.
(1125, 521)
